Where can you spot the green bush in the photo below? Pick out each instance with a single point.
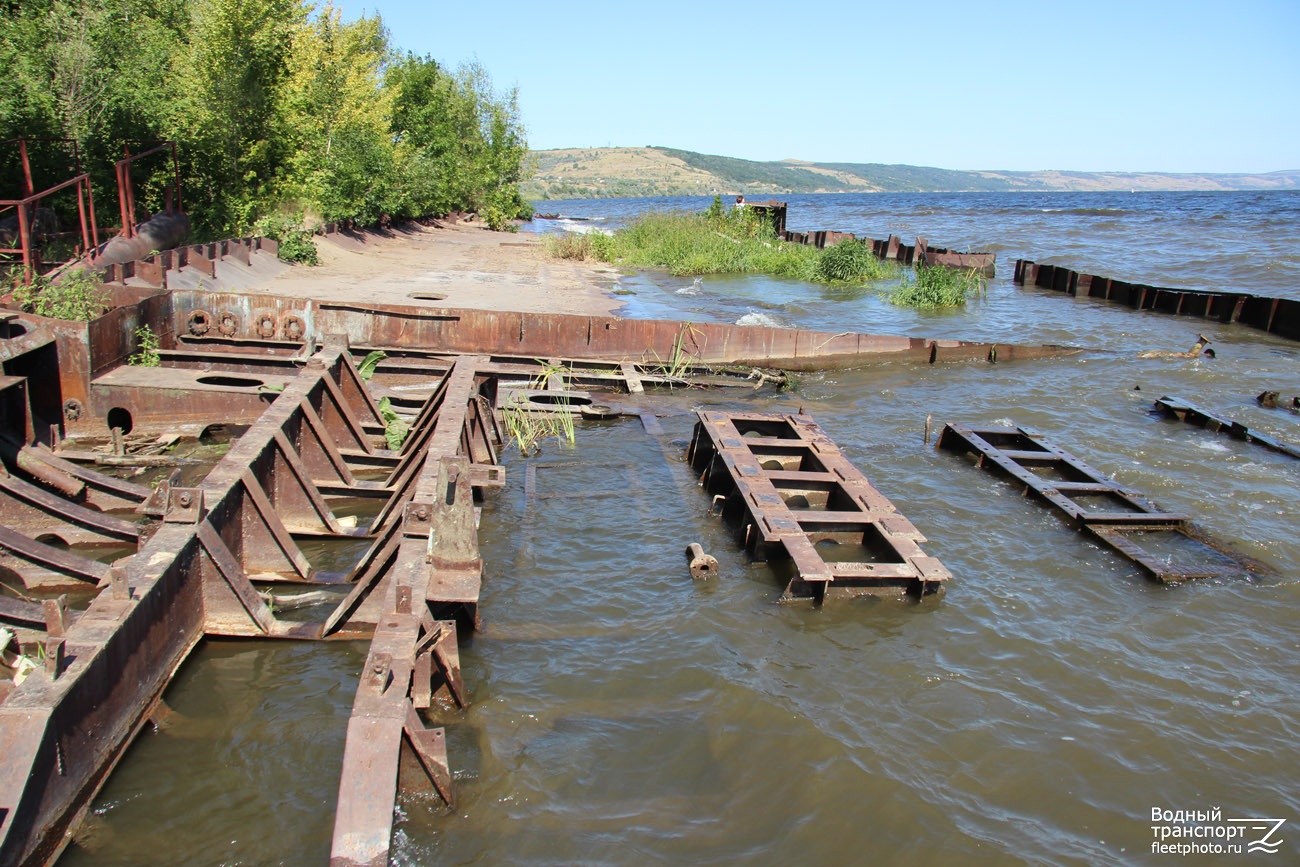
(294, 238)
(78, 297)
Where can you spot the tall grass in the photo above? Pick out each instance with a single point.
(527, 425)
(739, 241)
(938, 287)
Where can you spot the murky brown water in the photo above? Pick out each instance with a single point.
(623, 714)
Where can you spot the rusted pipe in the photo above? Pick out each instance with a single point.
(703, 566)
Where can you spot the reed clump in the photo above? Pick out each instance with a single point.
(939, 287)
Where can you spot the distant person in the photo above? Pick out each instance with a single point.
(740, 201)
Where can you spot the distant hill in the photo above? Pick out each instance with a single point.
(581, 173)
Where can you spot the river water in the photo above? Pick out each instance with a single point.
(1035, 713)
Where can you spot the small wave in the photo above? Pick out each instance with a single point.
(693, 289)
(1087, 212)
(579, 226)
(756, 318)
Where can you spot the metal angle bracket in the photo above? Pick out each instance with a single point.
(184, 506)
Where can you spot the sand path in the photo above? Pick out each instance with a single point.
(456, 266)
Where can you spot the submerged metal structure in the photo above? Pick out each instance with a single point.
(1164, 544)
(790, 493)
(203, 551)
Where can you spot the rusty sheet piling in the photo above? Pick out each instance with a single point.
(1163, 544)
(1280, 316)
(789, 493)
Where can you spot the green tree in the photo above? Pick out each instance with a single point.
(338, 113)
(227, 79)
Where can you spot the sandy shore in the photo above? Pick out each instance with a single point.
(458, 265)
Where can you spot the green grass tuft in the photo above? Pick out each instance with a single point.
(938, 287)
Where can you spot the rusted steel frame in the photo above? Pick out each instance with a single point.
(100, 490)
(126, 186)
(785, 486)
(16, 612)
(452, 409)
(34, 510)
(436, 570)
(262, 489)
(61, 733)
(25, 208)
(1184, 411)
(1280, 316)
(1015, 451)
(60, 736)
(46, 559)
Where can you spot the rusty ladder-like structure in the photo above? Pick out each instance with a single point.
(1160, 542)
(790, 493)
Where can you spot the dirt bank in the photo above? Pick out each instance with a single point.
(453, 266)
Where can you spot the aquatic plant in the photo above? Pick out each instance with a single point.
(938, 287)
(851, 261)
(527, 425)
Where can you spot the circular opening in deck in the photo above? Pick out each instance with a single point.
(119, 417)
(14, 329)
(230, 381)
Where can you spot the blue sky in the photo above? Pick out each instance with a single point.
(1088, 86)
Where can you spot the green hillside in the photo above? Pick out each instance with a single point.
(662, 171)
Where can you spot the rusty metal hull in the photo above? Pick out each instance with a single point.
(284, 367)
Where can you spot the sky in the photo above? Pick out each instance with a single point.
(1177, 86)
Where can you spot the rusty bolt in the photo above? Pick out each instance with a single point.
(184, 499)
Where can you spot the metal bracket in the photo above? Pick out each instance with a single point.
(184, 506)
(418, 520)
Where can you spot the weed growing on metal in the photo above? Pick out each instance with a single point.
(939, 287)
(680, 361)
(366, 369)
(527, 426)
(147, 344)
(395, 429)
(78, 297)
